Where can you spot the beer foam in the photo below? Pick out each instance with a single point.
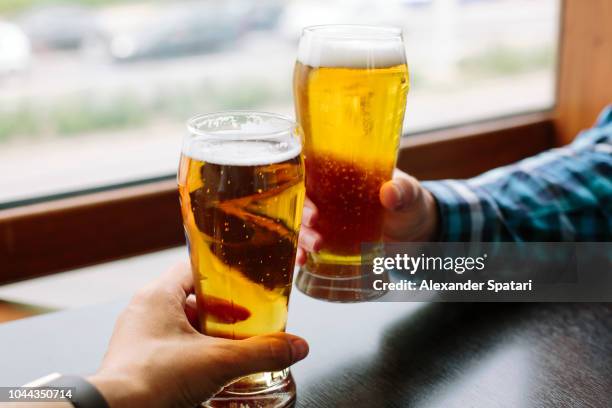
(350, 53)
(242, 152)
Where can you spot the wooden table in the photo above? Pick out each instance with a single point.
(384, 354)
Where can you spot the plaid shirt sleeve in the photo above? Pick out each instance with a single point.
(563, 194)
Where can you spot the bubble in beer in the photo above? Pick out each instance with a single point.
(242, 202)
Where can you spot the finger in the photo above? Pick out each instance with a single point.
(400, 193)
(310, 240)
(270, 352)
(308, 203)
(219, 310)
(178, 276)
(191, 311)
(309, 216)
(176, 283)
(300, 257)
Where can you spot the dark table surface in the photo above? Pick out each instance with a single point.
(384, 354)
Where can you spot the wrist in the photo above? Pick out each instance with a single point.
(119, 391)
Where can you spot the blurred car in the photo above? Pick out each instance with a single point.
(143, 31)
(14, 48)
(262, 15)
(58, 27)
(416, 3)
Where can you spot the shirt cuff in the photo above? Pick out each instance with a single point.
(460, 210)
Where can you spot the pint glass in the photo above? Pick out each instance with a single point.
(350, 85)
(241, 184)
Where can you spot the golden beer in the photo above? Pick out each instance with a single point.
(241, 201)
(350, 87)
(242, 223)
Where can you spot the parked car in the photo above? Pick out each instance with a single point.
(14, 48)
(58, 26)
(263, 14)
(160, 31)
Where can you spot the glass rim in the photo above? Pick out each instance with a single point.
(287, 125)
(354, 31)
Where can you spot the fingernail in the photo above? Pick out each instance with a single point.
(299, 349)
(400, 195)
(308, 217)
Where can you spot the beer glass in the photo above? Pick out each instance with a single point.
(350, 84)
(241, 185)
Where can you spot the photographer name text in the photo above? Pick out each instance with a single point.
(429, 285)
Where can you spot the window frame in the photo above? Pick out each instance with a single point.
(49, 237)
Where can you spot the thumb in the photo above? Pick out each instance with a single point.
(400, 193)
(269, 352)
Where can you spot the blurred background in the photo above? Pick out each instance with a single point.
(95, 92)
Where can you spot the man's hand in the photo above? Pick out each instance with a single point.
(410, 215)
(156, 358)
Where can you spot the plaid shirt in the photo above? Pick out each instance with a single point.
(563, 194)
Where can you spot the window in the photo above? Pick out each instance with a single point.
(95, 92)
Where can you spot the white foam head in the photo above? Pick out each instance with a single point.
(351, 47)
(242, 138)
(242, 152)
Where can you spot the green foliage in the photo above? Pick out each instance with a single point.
(18, 122)
(87, 112)
(90, 112)
(505, 60)
(16, 6)
(78, 116)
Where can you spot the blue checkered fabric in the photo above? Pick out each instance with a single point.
(563, 194)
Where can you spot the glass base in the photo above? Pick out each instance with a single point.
(264, 390)
(338, 282)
